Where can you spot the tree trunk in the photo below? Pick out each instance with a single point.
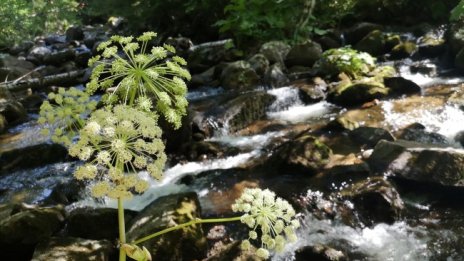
(62, 79)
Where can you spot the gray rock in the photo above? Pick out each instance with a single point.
(419, 162)
(275, 77)
(275, 51)
(400, 85)
(239, 75)
(12, 68)
(76, 249)
(259, 63)
(74, 33)
(355, 33)
(305, 54)
(374, 43)
(370, 136)
(356, 93)
(37, 54)
(168, 211)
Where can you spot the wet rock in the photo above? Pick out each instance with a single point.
(82, 56)
(77, 249)
(424, 67)
(376, 200)
(305, 154)
(60, 57)
(275, 77)
(206, 55)
(352, 94)
(74, 33)
(232, 251)
(357, 32)
(431, 46)
(13, 112)
(460, 138)
(25, 227)
(176, 138)
(12, 68)
(343, 169)
(239, 76)
(304, 54)
(205, 78)
(373, 43)
(37, 54)
(311, 91)
(32, 156)
(403, 50)
(23, 48)
(416, 132)
(203, 150)
(66, 193)
(3, 123)
(31, 103)
(319, 253)
(275, 51)
(392, 41)
(95, 223)
(236, 113)
(168, 211)
(259, 63)
(370, 136)
(419, 162)
(400, 85)
(342, 123)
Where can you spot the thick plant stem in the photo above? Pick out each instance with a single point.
(190, 223)
(122, 230)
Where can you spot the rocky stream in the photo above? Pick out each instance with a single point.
(375, 170)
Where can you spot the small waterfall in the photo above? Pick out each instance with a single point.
(288, 107)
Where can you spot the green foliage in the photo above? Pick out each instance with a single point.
(263, 20)
(24, 19)
(457, 11)
(346, 60)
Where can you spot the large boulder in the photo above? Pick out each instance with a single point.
(235, 114)
(403, 50)
(311, 91)
(259, 63)
(76, 249)
(239, 75)
(25, 227)
(374, 43)
(304, 54)
(358, 92)
(370, 136)
(168, 211)
(400, 85)
(305, 153)
(357, 32)
(275, 51)
(74, 33)
(419, 162)
(275, 77)
(32, 156)
(375, 199)
(37, 54)
(12, 68)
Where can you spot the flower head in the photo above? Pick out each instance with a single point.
(118, 140)
(140, 75)
(271, 219)
(62, 115)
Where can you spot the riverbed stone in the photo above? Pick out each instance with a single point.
(420, 162)
(76, 249)
(232, 251)
(275, 51)
(355, 93)
(32, 156)
(311, 91)
(12, 68)
(25, 227)
(370, 136)
(403, 50)
(416, 132)
(304, 154)
(400, 85)
(74, 33)
(304, 54)
(239, 75)
(184, 244)
(319, 252)
(13, 112)
(259, 63)
(358, 31)
(275, 76)
(376, 200)
(37, 54)
(373, 43)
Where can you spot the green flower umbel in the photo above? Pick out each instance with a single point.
(271, 219)
(117, 143)
(64, 114)
(134, 75)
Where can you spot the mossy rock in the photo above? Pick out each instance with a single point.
(304, 154)
(403, 50)
(304, 54)
(391, 41)
(239, 75)
(374, 43)
(357, 93)
(275, 51)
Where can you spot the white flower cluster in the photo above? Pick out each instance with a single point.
(140, 75)
(271, 219)
(118, 140)
(62, 115)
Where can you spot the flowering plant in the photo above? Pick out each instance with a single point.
(122, 137)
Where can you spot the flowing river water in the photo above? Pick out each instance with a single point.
(423, 233)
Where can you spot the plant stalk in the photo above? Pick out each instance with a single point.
(122, 230)
(190, 223)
